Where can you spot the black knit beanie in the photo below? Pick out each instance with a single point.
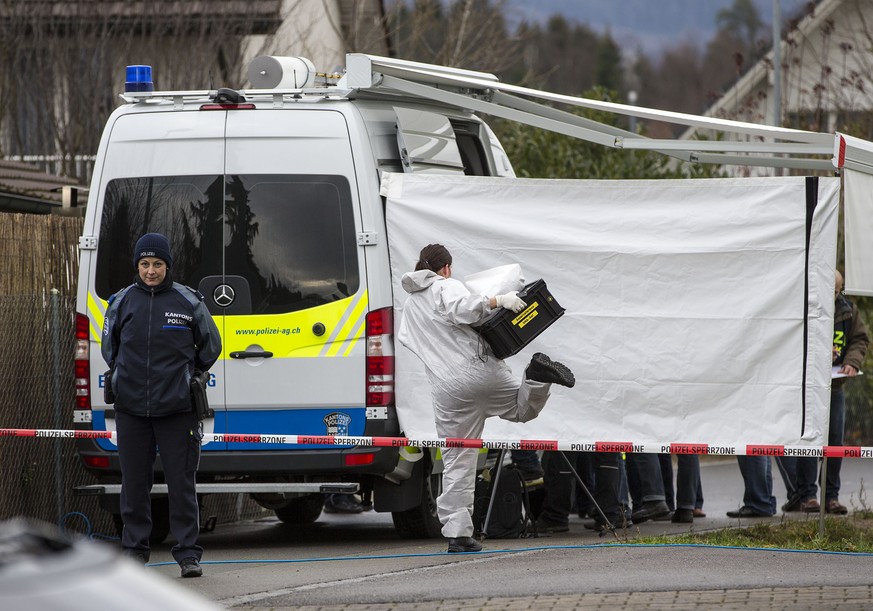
(152, 245)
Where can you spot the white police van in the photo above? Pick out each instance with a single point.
(270, 199)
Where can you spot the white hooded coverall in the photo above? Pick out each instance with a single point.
(468, 383)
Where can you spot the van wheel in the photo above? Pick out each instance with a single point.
(302, 510)
(422, 521)
(160, 521)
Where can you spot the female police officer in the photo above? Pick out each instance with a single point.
(467, 384)
(156, 333)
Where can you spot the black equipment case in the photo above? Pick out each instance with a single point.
(507, 332)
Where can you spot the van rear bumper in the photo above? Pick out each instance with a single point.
(299, 462)
(266, 464)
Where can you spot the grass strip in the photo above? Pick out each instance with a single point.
(848, 534)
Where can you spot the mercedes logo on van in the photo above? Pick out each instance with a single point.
(223, 295)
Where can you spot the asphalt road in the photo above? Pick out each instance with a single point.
(358, 560)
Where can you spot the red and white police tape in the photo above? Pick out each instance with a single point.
(493, 444)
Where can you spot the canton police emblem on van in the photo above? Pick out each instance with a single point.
(337, 423)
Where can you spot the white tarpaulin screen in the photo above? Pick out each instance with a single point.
(688, 318)
(858, 227)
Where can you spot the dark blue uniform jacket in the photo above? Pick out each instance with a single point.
(153, 339)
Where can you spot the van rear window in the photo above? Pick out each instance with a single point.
(286, 242)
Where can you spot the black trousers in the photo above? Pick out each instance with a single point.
(178, 439)
(559, 482)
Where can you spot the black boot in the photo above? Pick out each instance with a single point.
(464, 544)
(544, 369)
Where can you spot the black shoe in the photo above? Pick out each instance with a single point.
(747, 512)
(651, 510)
(683, 516)
(191, 567)
(342, 503)
(136, 555)
(464, 544)
(547, 527)
(586, 511)
(598, 526)
(544, 369)
(595, 525)
(793, 504)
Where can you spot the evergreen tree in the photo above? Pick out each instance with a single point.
(610, 72)
(743, 22)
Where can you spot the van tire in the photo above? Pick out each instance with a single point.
(160, 521)
(302, 510)
(422, 521)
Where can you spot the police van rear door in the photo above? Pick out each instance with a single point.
(161, 172)
(292, 291)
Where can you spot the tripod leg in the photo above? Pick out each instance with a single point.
(501, 455)
(606, 523)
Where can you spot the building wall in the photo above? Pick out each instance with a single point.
(310, 29)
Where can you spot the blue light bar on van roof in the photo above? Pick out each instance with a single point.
(138, 78)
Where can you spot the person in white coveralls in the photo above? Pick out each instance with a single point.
(468, 383)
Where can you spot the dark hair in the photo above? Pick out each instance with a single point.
(433, 257)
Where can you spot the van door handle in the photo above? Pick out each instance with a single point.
(251, 354)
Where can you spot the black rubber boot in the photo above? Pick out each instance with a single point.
(544, 369)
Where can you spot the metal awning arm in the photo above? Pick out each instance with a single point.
(795, 163)
(365, 71)
(545, 117)
(731, 146)
(536, 108)
(482, 92)
(667, 116)
(479, 105)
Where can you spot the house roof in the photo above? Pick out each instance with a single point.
(59, 17)
(26, 188)
(758, 75)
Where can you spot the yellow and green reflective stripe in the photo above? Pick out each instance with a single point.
(97, 311)
(350, 328)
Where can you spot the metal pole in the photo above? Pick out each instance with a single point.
(606, 523)
(777, 71)
(498, 469)
(821, 489)
(56, 397)
(777, 64)
(632, 100)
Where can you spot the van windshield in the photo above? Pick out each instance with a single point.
(287, 242)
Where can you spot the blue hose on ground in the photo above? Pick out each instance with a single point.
(64, 519)
(528, 549)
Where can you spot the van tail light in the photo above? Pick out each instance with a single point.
(96, 462)
(81, 365)
(358, 460)
(380, 357)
